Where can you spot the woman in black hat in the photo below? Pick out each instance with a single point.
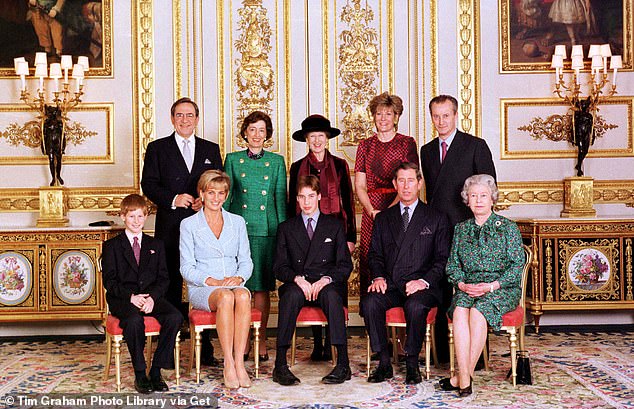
(336, 190)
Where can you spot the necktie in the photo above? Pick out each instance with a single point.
(309, 228)
(444, 151)
(136, 249)
(405, 218)
(187, 155)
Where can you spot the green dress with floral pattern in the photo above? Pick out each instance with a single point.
(483, 254)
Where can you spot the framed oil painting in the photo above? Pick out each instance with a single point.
(530, 29)
(74, 27)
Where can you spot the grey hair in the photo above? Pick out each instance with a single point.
(484, 180)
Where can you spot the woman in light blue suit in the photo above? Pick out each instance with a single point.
(216, 262)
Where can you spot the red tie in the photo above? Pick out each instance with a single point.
(444, 151)
(136, 248)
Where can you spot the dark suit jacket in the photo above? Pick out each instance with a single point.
(165, 175)
(326, 254)
(122, 277)
(421, 252)
(466, 156)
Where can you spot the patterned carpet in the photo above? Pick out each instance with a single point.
(572, 370)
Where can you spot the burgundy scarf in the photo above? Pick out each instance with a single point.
(330, 198)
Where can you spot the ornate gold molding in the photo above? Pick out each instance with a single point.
(559, 127)
(177, 51)
(143, 79)
(27, 200)
(469, 63)
(605, 191)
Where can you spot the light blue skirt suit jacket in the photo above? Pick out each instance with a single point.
(203, 255)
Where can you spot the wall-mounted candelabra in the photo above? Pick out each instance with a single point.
(52, 104)
(584, 98)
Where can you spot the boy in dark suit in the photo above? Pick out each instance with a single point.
(136, 280)
(313, 261)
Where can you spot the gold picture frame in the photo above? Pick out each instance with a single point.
(528, 33)
(86, 30)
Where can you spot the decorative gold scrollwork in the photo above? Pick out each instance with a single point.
(254, 76)
(358, 70)
(559, 127)
(30, 134)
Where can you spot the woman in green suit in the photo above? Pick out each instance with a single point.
(258, 194)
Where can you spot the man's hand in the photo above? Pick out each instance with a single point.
(373, 213)
(197, 205)
(351, 247)
(379, 285)
(317, 286)
(148, 305)
(304, 285)
(414, 285)
(184, 200)
(139, 300)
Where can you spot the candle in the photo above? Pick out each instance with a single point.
(615, 63)
(67, 63)
(16, 63)
(55, 73)
(41, 72)
(595, 49)
(23, 71)
(576, 51)
(561, 50)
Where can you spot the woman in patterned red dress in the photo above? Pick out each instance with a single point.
(377, 157)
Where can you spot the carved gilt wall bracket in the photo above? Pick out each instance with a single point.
(558, 128)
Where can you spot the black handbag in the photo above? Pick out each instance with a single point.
(523, 368)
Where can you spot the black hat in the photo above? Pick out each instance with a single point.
(315, 123)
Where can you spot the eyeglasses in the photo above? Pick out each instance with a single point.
(181, 115)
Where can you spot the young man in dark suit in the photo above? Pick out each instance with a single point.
(446, 162)
(171, 169)
(313, 261)
(407, 258)
(136, 280)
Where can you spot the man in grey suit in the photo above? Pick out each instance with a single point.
(446, 162)
(171, 170)
(407, 258)
(313, 261)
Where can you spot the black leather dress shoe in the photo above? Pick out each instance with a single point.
(143, 385)
(445, 385)
(159, 385)
(380, 374)
(284, 376)
(413, 375)
(339, 374)
(263, 358)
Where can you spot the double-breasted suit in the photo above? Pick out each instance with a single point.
(326, 254)
(122, 278)
(419, 253)
(467, 156)
(165, 175)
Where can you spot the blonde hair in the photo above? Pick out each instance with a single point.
(214, 178)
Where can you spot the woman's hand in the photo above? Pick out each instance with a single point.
(475, 290)
(232, 281)
(374, 212)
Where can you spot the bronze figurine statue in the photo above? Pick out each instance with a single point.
(54, 141)
(583, 130)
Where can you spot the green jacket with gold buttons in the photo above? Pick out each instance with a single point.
(258, 191)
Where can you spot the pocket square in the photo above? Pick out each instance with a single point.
(425, 231)
(152, 251)
(328, 240)
(207, 162)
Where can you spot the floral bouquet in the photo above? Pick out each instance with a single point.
(589, 268)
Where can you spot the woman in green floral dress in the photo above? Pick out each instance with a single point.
(485, 268)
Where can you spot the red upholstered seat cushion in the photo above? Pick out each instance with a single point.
(513, 318)
(200, 317)
(315, 314)
(396, 315)
(113, 328)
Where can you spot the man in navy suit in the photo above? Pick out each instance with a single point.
(407, 258)
(313, 261)
(136, 280)
(171, 170)
(446, 162)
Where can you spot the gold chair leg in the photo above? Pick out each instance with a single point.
(197, 348)
(452, 363)
(148, 349)
(368, 355)
(293, 349)
(427, 350)
(256, 349)
(394, 345)
(108, 356)
(485, 354)
(177, 358)
(117, 361)
(513, 344)
(192, 349)
(434, 353)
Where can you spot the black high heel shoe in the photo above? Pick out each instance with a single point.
(445, 385)
(463, 393)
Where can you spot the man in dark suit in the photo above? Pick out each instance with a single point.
(313, 261)
(136, 280)
(446, 162)
(407, 258)
(171, 170)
